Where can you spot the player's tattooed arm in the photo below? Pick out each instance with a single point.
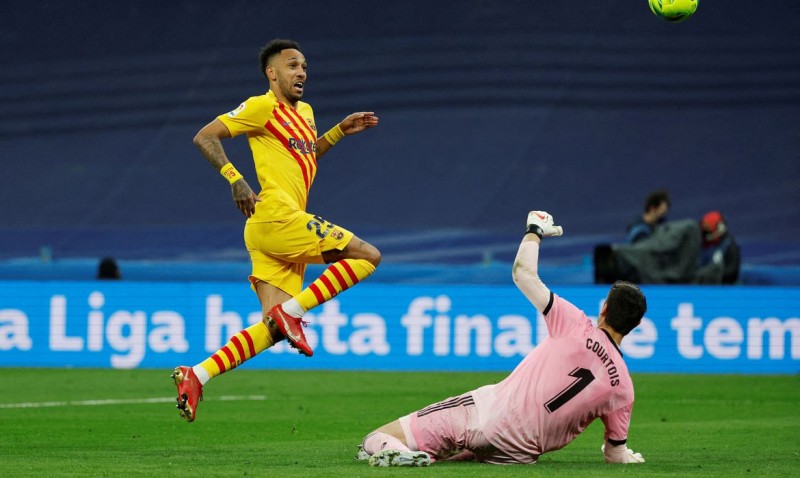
(211, 147)
(208, 142)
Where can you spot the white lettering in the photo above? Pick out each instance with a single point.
(331, 321)
(169, 333)
(281, 347)
(415, 322)
(254, 318)
(217, 320)
(59, 341)
(14, 331)
(514, 337)
(133, 343)
(369, 336)
(640, 342)
(463, 335)
(685, 323)
(441, 326)
(94, 338)
(441, 335)
(723, 338)
(777, 330)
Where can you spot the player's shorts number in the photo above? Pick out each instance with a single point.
(583, 377)
(319, 226)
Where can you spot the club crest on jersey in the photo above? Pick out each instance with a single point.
(337, 234)
(236, 111)
(311, 124)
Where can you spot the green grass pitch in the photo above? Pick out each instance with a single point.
(307, 424)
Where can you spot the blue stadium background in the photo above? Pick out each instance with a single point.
(488, 109)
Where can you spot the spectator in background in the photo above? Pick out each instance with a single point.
(678, 252)
(720, 257)
(656, 207)
(108, 269)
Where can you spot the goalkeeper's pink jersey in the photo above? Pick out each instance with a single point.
(572, 377)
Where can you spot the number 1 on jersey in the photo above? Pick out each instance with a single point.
(583, 377)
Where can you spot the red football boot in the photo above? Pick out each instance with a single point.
(190, 392)
(291, 328)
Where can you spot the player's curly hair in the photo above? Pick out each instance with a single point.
(626, 306)
(273, 48)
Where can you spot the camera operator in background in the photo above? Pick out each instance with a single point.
(656, 207)
(675, 252)
(720, 258)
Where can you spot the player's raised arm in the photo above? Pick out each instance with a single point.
(208, 142)
(352, 124)
(526, 265)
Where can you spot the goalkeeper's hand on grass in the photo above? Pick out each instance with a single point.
(621, 454)
(541, 224)
(631, 457)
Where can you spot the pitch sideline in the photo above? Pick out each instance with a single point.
(130, 401)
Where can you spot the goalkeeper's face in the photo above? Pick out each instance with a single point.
(287, 71)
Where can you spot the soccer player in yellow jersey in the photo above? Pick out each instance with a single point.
(280, 235)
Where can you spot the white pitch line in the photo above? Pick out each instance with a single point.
(129, 401)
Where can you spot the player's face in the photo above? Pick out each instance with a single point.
(662, 210)
(289, 70)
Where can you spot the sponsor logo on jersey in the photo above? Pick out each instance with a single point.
(303, 146)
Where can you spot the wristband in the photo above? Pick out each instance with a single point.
(334, 135)
(230, 173)
(534, 229)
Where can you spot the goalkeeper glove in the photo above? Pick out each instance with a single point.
(541, 224)
(623, 455)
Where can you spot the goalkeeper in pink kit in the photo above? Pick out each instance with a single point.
(575, 375)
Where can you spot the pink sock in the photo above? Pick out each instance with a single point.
(375, 442)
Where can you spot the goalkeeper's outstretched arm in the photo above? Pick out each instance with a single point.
(526, 265)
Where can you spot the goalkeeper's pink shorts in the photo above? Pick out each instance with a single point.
(449, 427)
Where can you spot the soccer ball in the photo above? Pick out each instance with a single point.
(673, 11)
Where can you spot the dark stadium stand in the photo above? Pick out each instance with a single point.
(487, 109)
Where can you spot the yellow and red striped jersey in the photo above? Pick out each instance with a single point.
(284, 145)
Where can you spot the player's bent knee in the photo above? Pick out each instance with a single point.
(374, 256)
(356, 249)
(368, 252)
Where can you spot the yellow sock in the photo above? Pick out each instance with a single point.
(244, 345)
(337, 278)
